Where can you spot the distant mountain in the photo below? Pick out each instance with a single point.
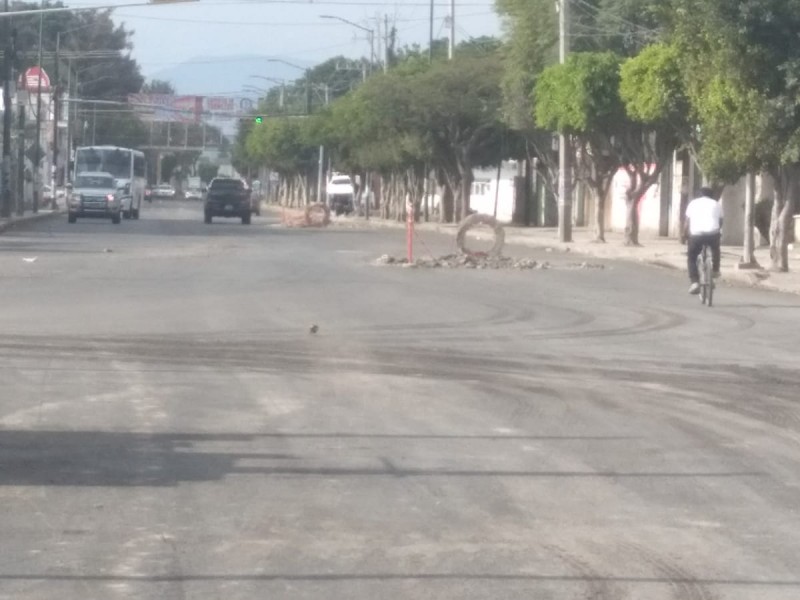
(224, 75)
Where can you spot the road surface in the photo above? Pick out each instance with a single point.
(170, 428)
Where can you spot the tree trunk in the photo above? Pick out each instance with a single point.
(386, 198)
(446, 203)
(785, 185)
(466, 192)
(748, 252)
(632, 220)
(600, 216)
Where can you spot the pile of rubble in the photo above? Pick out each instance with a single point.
(479, 261)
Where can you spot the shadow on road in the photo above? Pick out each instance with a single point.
(123, 459)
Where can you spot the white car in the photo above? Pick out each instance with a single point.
(340, 191)
(47, 193)
(163, 190)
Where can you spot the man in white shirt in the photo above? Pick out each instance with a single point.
(703, 226)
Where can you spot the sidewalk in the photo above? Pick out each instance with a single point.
(27, 218)
(655, 251)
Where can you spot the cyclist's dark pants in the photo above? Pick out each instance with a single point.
(696, 243)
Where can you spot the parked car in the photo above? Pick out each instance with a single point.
(193, 194)
(47, 193)
(94, 194)
(340, 193)
(163, 190)
(227, 197)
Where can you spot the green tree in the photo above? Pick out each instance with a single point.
(157, 86)
(95, 55)
(742, 65)
(207, 171)
(651, 86)
(457, 111)
(581, 99)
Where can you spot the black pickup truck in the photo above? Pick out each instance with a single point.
(227, 197)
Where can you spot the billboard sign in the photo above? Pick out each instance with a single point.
(33, 78)
(172, 108)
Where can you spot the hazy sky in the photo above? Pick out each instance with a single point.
(213, 31)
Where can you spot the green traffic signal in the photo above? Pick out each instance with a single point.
(259, 119)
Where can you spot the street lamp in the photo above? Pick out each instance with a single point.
(306, 75)
(370, 32)
(281, 82)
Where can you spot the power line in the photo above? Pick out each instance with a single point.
(596, 10)
(274, 23)
(370, 3)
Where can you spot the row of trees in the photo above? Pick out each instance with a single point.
(716, 78)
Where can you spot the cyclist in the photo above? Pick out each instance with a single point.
(703, 227)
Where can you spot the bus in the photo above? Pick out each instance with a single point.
(126, 165)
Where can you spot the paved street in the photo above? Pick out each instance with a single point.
(170, 428)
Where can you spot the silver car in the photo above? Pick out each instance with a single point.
(94, 194)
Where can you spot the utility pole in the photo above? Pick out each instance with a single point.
(56, 110)
(21, 162)
(320, 175)
(5, 211)
(452, 45)
(564, 146)
(386, 44)
(37, 171)
(430, 36)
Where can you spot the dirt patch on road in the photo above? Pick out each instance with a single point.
(475, 261)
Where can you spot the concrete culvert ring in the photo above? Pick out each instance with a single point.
(315, 209)
(477, 220)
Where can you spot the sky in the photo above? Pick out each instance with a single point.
(216, 32)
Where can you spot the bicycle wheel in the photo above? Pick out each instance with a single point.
(701, 270)
(709, 276)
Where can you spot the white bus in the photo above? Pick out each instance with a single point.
(127, 166)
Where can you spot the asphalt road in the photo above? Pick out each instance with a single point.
(169, 427)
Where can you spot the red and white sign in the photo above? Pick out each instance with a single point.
(34, 77)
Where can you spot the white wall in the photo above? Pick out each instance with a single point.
(649, 205)
(482, 199)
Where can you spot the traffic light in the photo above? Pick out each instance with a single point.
(259, 119)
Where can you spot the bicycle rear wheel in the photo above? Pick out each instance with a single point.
(709, 278)
(701, 269)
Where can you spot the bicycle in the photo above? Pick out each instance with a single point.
(705, 268)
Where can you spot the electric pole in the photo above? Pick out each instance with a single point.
(430, 44)
(21, 161)
(452, 46)
(564, 146)
(5, 211)
(386, 44)
(37, 170)
(56, 98)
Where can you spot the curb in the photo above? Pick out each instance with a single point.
(32, 218)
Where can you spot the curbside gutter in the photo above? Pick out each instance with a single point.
(6, 224)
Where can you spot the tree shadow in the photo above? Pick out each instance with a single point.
(125, 459)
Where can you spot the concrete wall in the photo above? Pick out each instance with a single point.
(733, 198)
(485, 189)
(649, 205)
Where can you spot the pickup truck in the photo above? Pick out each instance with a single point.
(227, 197)
(340, 193)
